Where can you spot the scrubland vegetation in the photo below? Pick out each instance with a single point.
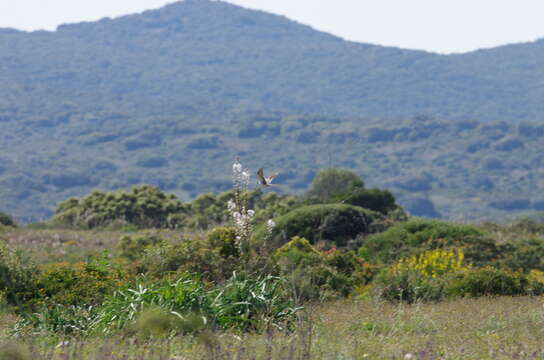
(342, 272)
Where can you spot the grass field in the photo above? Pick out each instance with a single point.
(484, 328)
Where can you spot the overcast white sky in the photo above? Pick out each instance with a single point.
(435, 25)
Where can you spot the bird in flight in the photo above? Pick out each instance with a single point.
(263, 180)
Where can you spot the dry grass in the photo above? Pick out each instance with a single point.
(58, 245)
(486, 328)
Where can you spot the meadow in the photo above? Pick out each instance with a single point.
(341, 272)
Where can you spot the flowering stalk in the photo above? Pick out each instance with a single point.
(238, 208)
(270, 225)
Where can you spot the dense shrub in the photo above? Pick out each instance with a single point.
(374, 199)
(81, 284)
(315, 275)
(214, 258)
(536, 282)
(489, 281)
(146, 206)
(252, 302)
(527, 225)
(243, 302)
(330, 183)
(418, 235)
(524, 255)
(336, 223)
(7, 220)
(17, 275)
(133, 247)
(348, 263)
(143, 206)
(410, 286)
(297, 252)
(438, 274)
(423, 277)
(224, 240)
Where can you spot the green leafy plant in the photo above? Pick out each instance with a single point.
(17, 275)
(337, 223)
(252, 303)
(185, 294)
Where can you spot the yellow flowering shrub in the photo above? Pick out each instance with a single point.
(536, 281)
(433, 263)
(536, 276)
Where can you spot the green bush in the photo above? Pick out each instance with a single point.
(143, 206)
(7, 220)
(422, 277)
(58, 319)
(224, 240)
(336, 223)
(378, 200)
(133, 247)
(297, 252)
(536, 282)
(416, 236)
(209, 210)
(330, 183)
(147, 207)
(348, 263)
(524, 255)
(409, 285)
(187, 294)
(489, 281)
(214, 259)
(17, 275)
(80, 284)
(252, 302)
(315, 275)
(243, 302)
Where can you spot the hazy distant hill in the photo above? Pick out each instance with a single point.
(170, 96)
(205, 52)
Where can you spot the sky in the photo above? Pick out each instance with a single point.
(443, 26)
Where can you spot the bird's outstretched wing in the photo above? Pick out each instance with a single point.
(270, 178)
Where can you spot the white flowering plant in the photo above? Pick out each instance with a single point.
(239, 210)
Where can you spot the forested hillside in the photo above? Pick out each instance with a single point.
(170, 96)
(196, 54)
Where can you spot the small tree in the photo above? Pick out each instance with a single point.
(7, 220)
(330, 183)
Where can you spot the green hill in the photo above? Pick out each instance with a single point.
(199, 53)
(171, 96)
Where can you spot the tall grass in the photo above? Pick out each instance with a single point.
(484, 328)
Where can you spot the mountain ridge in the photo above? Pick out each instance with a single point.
(171, 96)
